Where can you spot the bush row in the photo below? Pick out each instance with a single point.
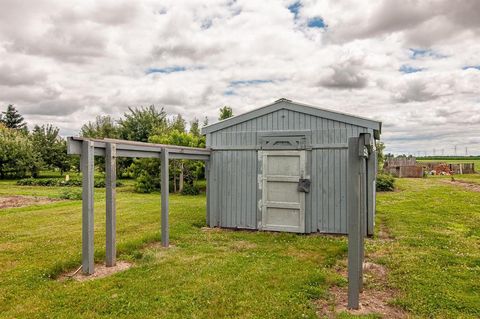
(98, 183)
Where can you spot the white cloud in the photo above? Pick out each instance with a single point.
(65, 63)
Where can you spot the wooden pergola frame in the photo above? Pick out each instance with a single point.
(87, 148)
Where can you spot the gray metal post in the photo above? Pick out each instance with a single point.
(164, 195)
(207, 176)
(87, 167)
(371, 176)
(354, 224)
(363, 213)
(111, 213)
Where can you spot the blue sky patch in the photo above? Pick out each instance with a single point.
(229, 92)
(206, 24)
(249, 82)
(166, 70)
(409, 69)
(471, 67)
(316, 22)
(295, 8)
(424, 53)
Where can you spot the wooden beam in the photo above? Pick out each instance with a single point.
(87, 167)
(138, 149)
(164, 195)
(111, 213)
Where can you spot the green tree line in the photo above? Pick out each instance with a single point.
(24, 153)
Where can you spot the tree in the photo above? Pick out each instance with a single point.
(380, 147)
(51, 147)
(178, 124)
(225, 113)
(103, 126)
(11, 118)
(185, 170)
(139, 123)
(205, 121)
(17, 155)
(195, 128)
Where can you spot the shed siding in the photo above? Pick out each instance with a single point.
(233, 189)
(234, 170)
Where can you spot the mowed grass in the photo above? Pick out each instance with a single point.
(433, 259)
(205, 274)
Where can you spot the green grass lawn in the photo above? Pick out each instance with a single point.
(433, 259)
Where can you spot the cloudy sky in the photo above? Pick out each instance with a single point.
(414, 65)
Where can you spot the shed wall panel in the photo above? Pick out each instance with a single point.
(233, 189)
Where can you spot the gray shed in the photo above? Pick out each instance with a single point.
(283, 167)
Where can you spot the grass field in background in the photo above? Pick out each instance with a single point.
(476, 161)
(433, 259)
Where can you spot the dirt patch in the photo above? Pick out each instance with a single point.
(211, 229)
(375, 298)
(242, 245)
(101, 271)
(470, 186)
(383, 232)
(21, 201)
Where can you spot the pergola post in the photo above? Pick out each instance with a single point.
(164, 196)
(87, 168)
(111, 213)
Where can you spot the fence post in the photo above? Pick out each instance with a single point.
(111, 213)
(87, 167)
(164, 195)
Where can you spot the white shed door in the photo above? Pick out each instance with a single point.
(283, 206)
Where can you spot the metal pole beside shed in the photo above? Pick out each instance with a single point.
(359, 149)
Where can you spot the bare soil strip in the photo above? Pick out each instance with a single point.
(470, 186)
(101, 271)
(21, 201)
(375, 298)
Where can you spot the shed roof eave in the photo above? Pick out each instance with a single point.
(298, 107)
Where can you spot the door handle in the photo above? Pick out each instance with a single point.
(304, 185)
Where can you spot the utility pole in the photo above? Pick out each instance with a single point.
(455, 150)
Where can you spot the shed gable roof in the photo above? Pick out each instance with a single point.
(296, 107)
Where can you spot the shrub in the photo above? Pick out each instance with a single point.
(385, 183)
(72, 194)
(190, 190)
(144, 183)
(98, 183)
(17, 154)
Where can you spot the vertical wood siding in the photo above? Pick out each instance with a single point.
(233, 187)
